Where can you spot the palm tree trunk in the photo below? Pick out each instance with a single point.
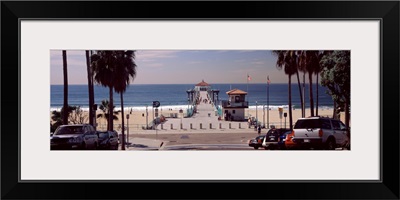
(347, 118)
(301, 93)
(111, 111)
(311, 93)
(290, 102)
(123, 123)
(65, 71)
(334, 110)
(90, 89)
(316, 103)
(347, 113)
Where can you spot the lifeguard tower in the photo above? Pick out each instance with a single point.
(234, 108)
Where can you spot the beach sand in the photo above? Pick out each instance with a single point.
(137, 119)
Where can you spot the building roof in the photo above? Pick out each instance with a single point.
(236, 91)
(202, 83)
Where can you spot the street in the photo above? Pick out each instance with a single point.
(208, 141)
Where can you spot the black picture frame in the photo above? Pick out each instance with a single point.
(386, 11)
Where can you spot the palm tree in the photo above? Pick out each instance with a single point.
(311, 66)
(65, 72)
(302, 68)
(125, 73)
(105, 107)
(286, 62)
(296, 61)
(104, 64)
(90, 88)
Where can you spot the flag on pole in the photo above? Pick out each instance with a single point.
(268, 81)
(248, 77)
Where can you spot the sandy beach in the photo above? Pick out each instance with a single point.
(137, 118)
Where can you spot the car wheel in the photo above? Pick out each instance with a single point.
(266, 148)
(330, 144)
(255, 147)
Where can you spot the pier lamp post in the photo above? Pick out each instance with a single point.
(127, 128)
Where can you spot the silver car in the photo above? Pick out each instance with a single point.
(77, 136)
(319, 132)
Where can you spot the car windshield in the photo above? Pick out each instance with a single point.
(65, 130)
(308, 123)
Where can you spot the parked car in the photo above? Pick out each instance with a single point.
(282, 139)
(77, 136)
(272, 138)
(108, 139)
(256, 142)
(318, 132)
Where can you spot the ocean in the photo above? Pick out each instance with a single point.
(174, 96)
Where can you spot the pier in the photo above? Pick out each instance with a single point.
(204, 114)
(206, 118)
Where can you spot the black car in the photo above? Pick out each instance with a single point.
(256, 142)
(271, 140)
(108, 140)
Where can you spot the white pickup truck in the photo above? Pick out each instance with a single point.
(319, 132)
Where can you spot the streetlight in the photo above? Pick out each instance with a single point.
(127, 128)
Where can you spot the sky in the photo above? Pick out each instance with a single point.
(181, 67)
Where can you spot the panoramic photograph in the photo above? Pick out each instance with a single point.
(247, 100)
